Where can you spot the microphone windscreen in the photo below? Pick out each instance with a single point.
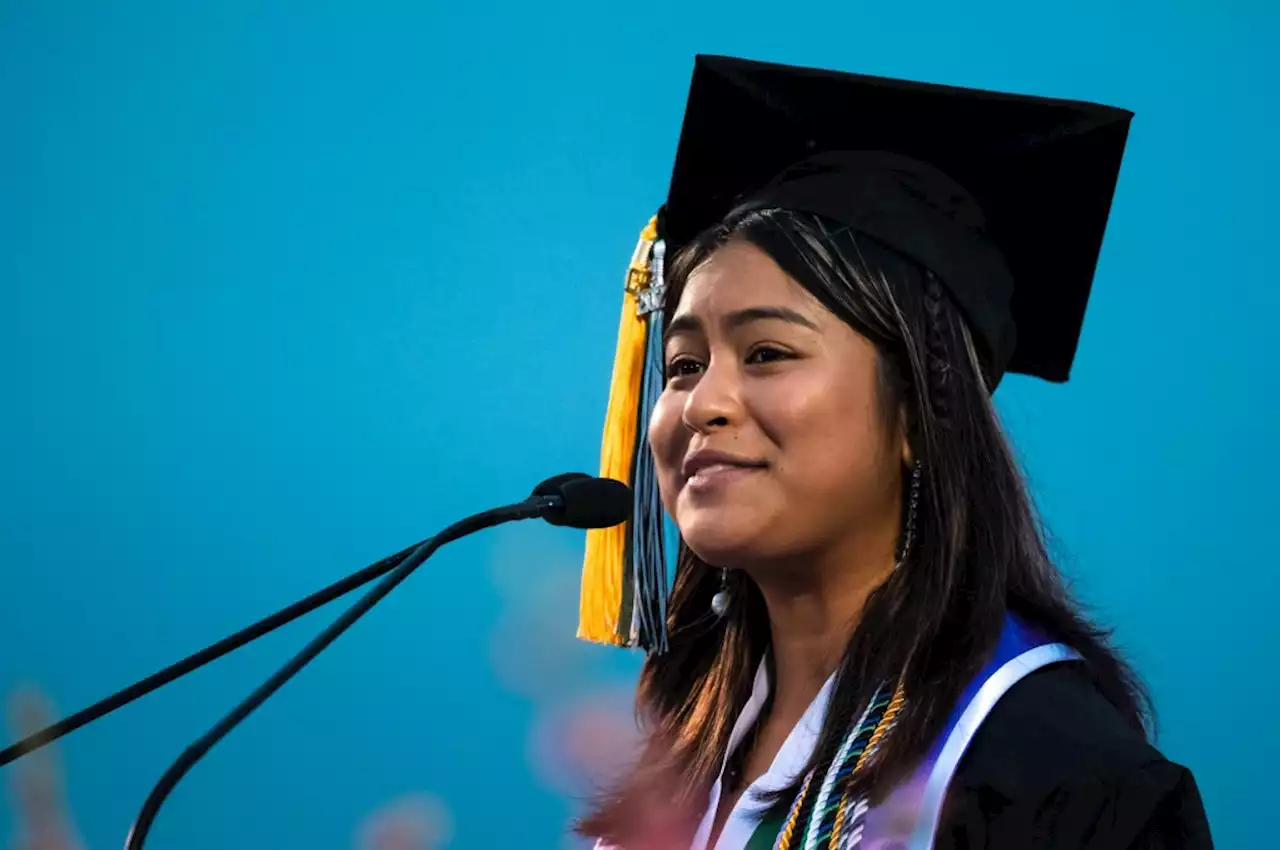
(588, 502)
(551, 487)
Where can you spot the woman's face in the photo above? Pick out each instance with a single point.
(768, 437)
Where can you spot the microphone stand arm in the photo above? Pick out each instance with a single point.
(205, 656)
(535, 506)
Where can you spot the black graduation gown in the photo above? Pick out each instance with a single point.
(1055, 767)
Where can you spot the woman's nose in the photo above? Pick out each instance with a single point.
(715, 402)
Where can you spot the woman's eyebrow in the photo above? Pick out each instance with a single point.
(688, 323)
(756, 314)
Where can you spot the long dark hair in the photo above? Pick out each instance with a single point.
(978, 550)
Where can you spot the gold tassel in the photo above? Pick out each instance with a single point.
(604, 569)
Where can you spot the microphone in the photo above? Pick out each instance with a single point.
(573, 499)
(585, 502)
(587, 509)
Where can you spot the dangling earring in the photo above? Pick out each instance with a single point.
(913, 505)
(720, 602)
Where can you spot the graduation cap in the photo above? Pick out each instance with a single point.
(1003, 198)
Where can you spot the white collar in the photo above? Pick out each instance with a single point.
(785, 769)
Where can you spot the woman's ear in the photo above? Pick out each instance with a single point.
(904, 431)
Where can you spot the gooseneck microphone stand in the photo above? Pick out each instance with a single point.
(574, 499)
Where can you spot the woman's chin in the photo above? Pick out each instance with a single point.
(722, 541)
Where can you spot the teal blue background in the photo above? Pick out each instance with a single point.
(285, 288)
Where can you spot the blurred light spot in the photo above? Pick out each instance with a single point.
(577, 746)
(42, 817)
(418, 821)
(534, 649)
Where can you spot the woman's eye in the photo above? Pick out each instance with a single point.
(766, 354)
(680, 367)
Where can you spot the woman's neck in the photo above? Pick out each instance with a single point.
(811, 621)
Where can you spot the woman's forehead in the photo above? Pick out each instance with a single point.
(740, 275)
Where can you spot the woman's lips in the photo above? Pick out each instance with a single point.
(718, 475)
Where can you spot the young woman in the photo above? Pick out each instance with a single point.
(866, 643)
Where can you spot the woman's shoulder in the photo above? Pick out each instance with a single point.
(1055, 765)
(1053, 726)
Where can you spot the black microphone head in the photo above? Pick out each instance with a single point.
(551, 487)
(587, 502)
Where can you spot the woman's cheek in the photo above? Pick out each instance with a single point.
(668, 439)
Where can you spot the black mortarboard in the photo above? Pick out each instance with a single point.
(1004, 198)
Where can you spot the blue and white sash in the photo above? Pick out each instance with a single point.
(909, 816)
